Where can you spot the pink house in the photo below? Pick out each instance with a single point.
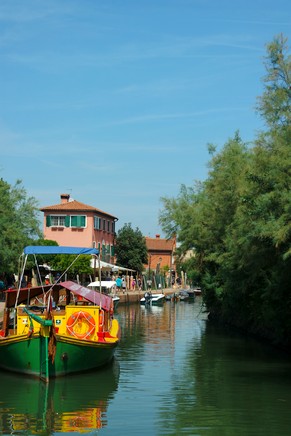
(71, 223)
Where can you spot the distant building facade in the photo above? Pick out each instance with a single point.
(72, 223)
(161, 254)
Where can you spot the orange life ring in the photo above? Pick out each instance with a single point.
(76, 320)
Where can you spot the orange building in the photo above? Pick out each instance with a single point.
(160, 253)
(71, 223)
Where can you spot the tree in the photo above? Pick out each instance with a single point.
(44, 258)
(238, 222)
(67, 262)
(201, 216)
(274, 104)
(19, 224)
(73, 264)
(131, 250)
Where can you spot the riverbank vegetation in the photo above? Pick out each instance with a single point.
(131, 249)
(237, 222)
(19, 224)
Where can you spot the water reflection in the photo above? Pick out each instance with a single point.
(177, 374)
(229, 385)
(66, 404)
(193, 378)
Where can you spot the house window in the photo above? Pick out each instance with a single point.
(97, 223)
(104, 224)
(78, 221)
(56, 220)
(108, 226)
(113, 227)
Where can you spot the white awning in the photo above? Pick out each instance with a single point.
(108, 266)
(104, 284)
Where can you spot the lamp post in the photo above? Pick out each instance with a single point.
(170, 271)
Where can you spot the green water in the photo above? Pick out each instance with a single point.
(173, 374)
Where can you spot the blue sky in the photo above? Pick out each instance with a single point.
(115, 101)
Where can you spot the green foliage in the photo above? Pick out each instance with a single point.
(274, 104)
(19, 224)
(74, 264)
(238, 221)
(131, 250)
(43, 258)
(71, 263)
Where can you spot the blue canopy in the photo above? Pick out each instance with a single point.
(54, 249)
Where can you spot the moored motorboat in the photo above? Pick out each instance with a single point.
(150, 298)
(197, 291)
(191, 294)
(115, 300)
(172, 297)
(59, 329)
(183, 295)
(107, 287)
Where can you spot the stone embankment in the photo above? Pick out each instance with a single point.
(135, 296)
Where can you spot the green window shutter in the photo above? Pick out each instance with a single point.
(74, 222)
(67, 221)
(112, 250)
(82, 221)
(78, 220)
(48, 221)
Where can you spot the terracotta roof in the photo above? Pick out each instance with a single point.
(75, 206)
(160, 244)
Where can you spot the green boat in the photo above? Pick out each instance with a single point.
(56, 330)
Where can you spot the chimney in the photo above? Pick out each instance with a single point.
(157, 236)
(65, 198)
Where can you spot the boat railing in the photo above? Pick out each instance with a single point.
(42, 321)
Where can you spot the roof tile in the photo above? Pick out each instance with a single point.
(75, 206)
(160, 244)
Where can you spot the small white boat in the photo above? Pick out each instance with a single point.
(150, 298)
(108, 288)
(183, 295)
(197, 291)
(115, 300)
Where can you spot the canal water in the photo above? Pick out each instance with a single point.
(174, 374)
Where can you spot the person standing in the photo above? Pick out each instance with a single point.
(139, 282)
(123, 284)
(133, 283)
(149, 283)
(118, 283)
